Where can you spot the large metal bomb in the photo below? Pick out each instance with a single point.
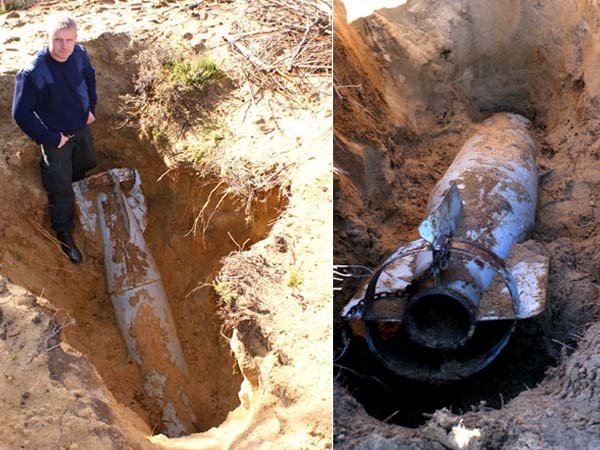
(444, 306)
(112, 210)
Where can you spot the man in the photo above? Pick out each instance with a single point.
(54, 102)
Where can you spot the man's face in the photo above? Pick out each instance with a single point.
(62, 43)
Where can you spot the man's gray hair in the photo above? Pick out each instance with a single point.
(58, 21)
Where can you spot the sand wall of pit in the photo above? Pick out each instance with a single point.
(413, 84)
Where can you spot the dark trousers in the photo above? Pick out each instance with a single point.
(60, 167)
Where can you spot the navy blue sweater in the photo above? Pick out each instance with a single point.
(52, 97)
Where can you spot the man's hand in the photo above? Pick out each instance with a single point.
(91, 118)
(63, 140)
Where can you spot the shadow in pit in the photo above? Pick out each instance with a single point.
(389, 398)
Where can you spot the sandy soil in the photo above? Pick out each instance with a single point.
(259, 379)
(412, 83)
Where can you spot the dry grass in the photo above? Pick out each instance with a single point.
(176, 104)
(241, 284)
(180, 95)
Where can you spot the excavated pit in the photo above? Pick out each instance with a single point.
(410, 403)
(413, 83)
(187, 261)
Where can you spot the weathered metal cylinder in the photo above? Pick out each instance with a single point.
(138, 296)
(444, 306)
(496, 175)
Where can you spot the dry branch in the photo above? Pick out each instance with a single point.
(298, 43)
(56, 330)
(247, 53)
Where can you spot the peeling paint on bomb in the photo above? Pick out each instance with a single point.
(112, 208)
(479, 272)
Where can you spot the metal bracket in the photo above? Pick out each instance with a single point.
(450, 246)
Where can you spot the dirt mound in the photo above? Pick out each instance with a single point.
(412, 83)
(241, 274)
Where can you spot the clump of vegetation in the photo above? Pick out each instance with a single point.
(158, 137)
(209, 138)
(294, 278)
(192, 74)
(12, 5)
(175, 95)
(224, 291)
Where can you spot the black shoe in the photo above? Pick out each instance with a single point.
(68, 246)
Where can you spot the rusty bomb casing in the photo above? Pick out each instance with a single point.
(112, 210)
(443, 307)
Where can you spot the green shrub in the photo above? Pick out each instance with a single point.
(294, 278)
(224, 291)
(158, 136)
(194, 73)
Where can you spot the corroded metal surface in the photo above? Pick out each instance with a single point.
(428, 307)
(112, 208)
(443, 220)
(528, 265)
(496, 175)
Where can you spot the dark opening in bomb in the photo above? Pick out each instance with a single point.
(439, 319)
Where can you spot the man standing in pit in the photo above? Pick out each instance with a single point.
(54, 102)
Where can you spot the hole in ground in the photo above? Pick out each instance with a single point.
(186, 262)
(387, 397)
(506, 77)
(384, 395)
